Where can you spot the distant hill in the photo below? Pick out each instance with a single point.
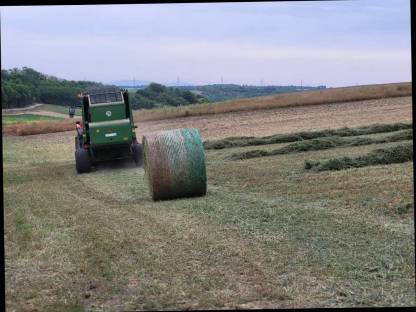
(140, 84)
(222, 92)
(129, 83)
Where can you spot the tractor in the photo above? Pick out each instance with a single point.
(107, 129)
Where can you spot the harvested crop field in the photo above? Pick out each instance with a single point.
(292, 99)
(290, 119)
(268, 234)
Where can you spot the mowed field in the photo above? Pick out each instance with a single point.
(289, 119)
(268, 234)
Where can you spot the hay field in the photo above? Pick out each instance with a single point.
(324, 96)
(256, 116)
(290, 119)
(42, 118)
(269, 233)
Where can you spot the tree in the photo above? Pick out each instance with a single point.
(24, 86)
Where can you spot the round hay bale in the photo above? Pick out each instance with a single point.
(174, 162)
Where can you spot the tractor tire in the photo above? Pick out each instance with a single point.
(82, 161)
(137, 150)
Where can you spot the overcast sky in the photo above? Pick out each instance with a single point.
(334, 43)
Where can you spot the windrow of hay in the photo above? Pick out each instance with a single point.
(324, 143)
(324, 96)
(300, 136)
(383, 156)
(39, 127)
(174, 162)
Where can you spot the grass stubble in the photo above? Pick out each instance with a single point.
(268, 234)
(316, 97)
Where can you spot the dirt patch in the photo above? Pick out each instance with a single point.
(290, 119)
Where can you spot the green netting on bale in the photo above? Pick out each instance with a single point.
(174, 162)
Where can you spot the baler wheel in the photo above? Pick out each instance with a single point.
(82, 160)
(137, 150)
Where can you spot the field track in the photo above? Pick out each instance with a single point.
(20, 110)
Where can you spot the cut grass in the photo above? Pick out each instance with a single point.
(383, 156)
(325, 96)
(26, 118)
(322, 144)
(300, 136)
(269, 234)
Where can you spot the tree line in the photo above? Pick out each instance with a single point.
(157, 95)
(23, 87)
(223, 92)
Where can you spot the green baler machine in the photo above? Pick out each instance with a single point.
(107, 129)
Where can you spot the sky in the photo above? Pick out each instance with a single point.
(332, 43)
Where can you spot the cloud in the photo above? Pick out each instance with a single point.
(325, 42)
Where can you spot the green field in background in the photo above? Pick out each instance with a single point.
(11, 119)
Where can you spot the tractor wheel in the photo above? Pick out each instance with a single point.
(137, 150)
(82, 160)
